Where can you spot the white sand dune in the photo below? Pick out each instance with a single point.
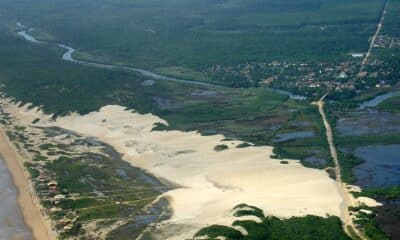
(212, 182)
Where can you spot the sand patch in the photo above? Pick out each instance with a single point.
(212, 183)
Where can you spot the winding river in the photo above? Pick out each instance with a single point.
(27, 36)
(68, 56)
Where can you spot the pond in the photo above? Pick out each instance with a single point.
(371, 122)
(381, 167)
(377, 100)
(283, 137)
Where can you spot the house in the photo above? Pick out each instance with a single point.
(314, 85)
(55, 209)
(342, 75)
(362, 74)
(53, 189)
(41, 177)
(59, 197)
(65, 221)
(357, 55)
(52, 183)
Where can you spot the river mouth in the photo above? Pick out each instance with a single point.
(12, 224)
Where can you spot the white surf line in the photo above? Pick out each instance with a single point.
(373, 40)
(68, 56)
(342, 187)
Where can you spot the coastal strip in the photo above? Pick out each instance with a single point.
(27, 200)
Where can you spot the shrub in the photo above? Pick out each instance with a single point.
(220, 147)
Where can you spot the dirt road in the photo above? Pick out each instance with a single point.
(342, 187)
(373, 40)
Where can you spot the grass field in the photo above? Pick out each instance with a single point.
(391, 105)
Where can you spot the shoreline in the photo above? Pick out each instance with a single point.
(28, 203)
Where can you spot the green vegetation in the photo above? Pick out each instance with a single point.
(81, 188)
(237, 43)
(370, 226)
(347, 163)
(386, 194)
(392, 104)
(305, 118)
(39, 158)
(191, 39)
(383, 224)
(247, 210)
(47, 146)
(221, 147)
(254, 115)
(294, 228)
(353, 233)
(354, 141)
(19, 128)
(32, 170)
(244, 145)
(214, 231)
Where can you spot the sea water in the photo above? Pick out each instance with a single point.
(12, 226)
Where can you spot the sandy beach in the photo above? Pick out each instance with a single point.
(28, 203)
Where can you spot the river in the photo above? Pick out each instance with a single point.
(27, 36)
(12, 225)
(68, 56)
(377, 100)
